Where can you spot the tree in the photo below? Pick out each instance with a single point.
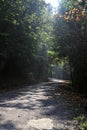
(19, 23)
(70, 34)
(24, 33)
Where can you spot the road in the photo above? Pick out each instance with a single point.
(36, 107)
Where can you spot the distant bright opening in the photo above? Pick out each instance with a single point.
(54, 3)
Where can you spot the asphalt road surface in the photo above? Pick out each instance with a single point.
(36, 107)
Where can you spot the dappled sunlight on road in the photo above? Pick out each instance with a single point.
(59, 80)
(36, 107)
(43, 123)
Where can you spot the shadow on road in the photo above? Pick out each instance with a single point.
(41, 100)
(8, 126)
(32, 97)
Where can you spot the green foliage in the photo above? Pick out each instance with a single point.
(82, 121)
(70, 41)
(25, 28)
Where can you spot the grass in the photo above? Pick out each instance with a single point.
(82, 121)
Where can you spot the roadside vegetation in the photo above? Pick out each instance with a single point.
(34, 41)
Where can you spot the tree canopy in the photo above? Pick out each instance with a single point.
(23, 33)
(33, 39)
(70, 39)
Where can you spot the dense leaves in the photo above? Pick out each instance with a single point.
(71, 41)
(23, 31)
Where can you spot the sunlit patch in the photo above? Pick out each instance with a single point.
(43, 123)
(53, 3)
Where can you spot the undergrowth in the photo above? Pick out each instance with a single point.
(82, 121)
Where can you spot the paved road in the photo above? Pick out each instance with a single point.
(35, 107)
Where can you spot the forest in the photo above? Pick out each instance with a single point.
(34, 41)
